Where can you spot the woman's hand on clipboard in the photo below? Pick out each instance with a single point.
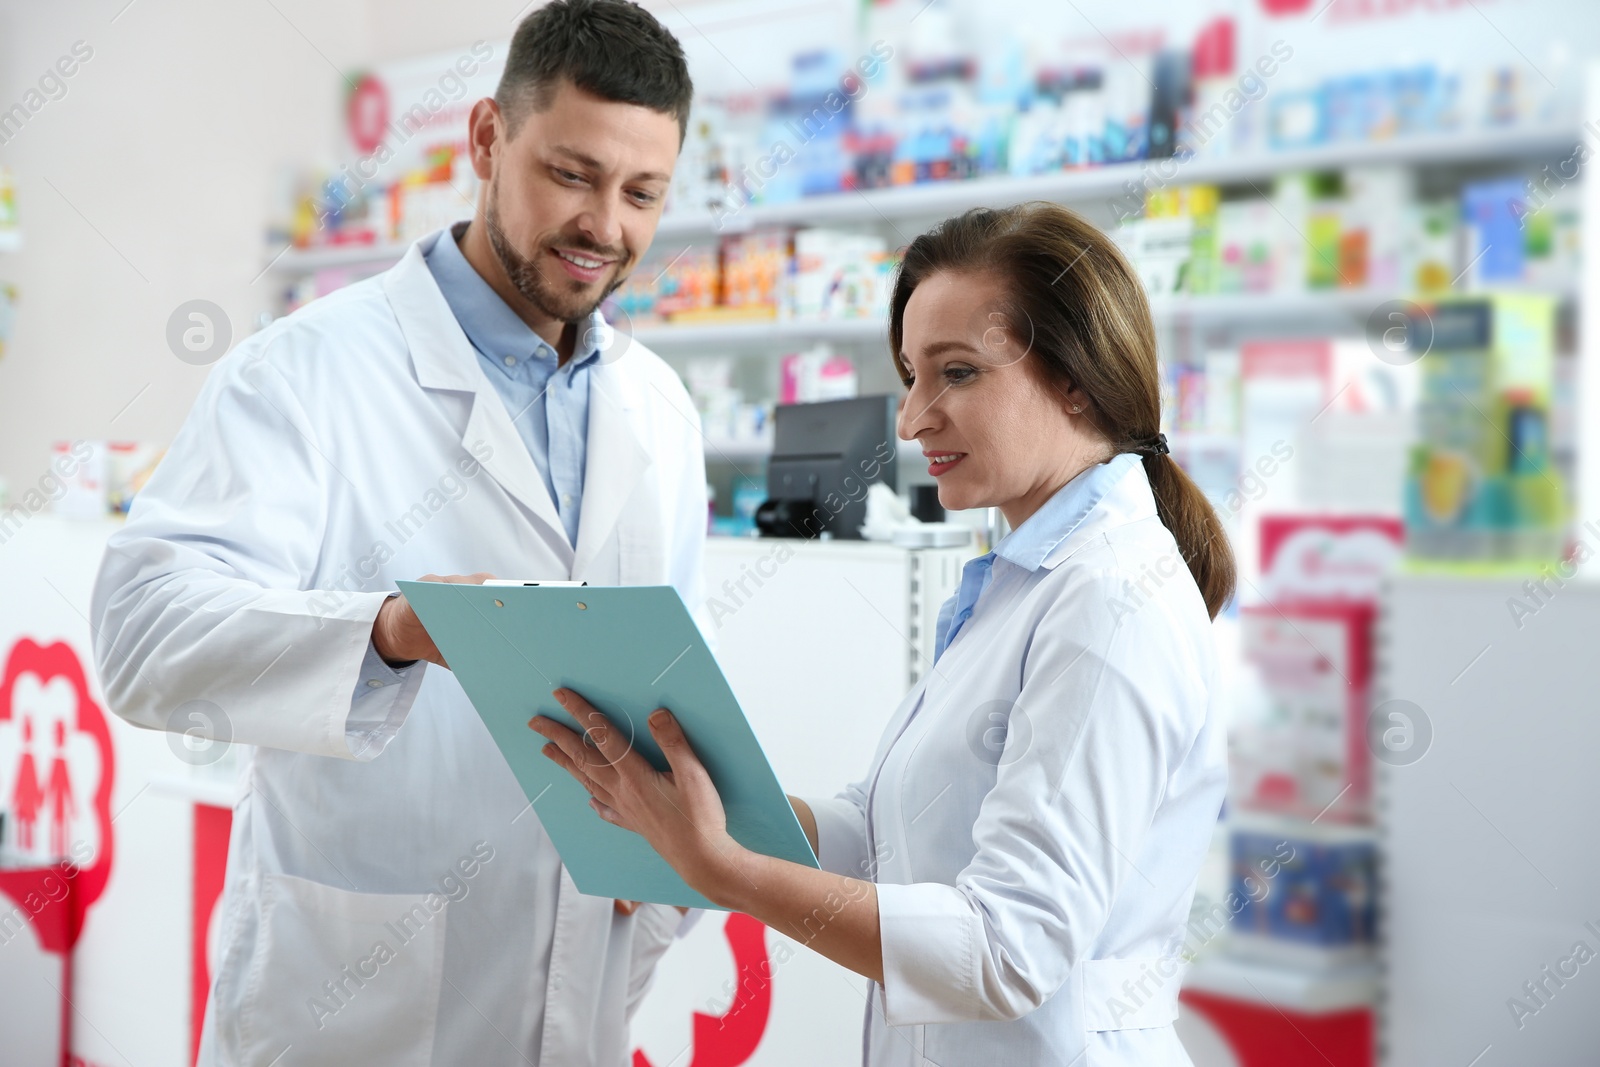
(678, 811)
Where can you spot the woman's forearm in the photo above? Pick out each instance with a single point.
(807, 821)
(828, 913)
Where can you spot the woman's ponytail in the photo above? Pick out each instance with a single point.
(1196, 527)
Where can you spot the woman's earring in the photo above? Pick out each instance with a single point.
(1076, 409)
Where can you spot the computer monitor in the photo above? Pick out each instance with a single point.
(824, 457)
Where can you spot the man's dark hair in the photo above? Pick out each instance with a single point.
(611, 48)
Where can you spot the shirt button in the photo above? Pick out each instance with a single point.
(373, 683)
(511, 361)
(566, 500)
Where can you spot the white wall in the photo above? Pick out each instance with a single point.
(146, 185)
(165, 154)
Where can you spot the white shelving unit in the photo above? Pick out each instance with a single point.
(948, 198)
(1487, 872)
(878, 206)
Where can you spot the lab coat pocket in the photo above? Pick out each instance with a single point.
(339, 977)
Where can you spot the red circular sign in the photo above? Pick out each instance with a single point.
(52, 790)
(367, 113)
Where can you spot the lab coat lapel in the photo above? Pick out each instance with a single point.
(616, 461)
(445, 360)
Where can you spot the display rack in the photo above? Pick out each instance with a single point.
(938, 199)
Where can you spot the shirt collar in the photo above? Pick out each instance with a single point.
(488, 321)
(1031, 543)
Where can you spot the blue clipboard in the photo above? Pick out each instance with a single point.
(628, 650)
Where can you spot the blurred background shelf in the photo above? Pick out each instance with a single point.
(1219, 309)
(938, 199)
(951, 197)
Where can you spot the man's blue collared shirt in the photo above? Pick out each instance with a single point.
(548, 403)
(1030, 544)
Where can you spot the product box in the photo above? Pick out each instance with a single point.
(80, 469)
(838, 276)
(129, 465)
(1309, 894)
(689, 282)
(1244, 246)
(8, 317)
(1328, 558)
(1480, 482)
(1303, 751)
(754, 266)
(1492, 212)
(817, 374)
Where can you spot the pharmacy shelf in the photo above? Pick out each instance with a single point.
(329, 257)
(937, 199)
(1318, 306)
(667, 335)
(934, 199)
(757, 449)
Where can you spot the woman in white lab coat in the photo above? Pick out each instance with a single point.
(1016, 869)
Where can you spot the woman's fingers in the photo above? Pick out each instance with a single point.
(687, 770)
(568, 751)
(599, 734)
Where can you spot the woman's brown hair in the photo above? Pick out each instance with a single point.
(1074, 297)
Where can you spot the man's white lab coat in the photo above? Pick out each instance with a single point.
(391, 897)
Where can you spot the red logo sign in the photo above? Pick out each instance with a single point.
(367, 113)
(56, 770)
(730, 1039)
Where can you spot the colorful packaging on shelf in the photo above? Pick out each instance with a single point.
(1304, 752)
(1492, 212)
(1553, 240)
(754, 266)
(838, 276)
(10, 227)
(8, 314)
(129, 465)
(1328, 558)
(1481, 485)
(1308, 889)
(1375, 199)
(1244, 246)
(82, 471)
(1430, 253)
(688, 283)
(818, 374)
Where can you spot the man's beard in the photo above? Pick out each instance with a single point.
(564, 306)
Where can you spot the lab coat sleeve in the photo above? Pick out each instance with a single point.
(1109, 715)
(842, 846)
(204, 594)
(654, 928)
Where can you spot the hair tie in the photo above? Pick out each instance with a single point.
(1156, 446)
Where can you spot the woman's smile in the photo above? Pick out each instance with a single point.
(941, 462)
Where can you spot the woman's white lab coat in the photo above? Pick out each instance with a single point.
(1038, 809)
(355, 443)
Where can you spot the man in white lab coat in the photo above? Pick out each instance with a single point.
(391, 896)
